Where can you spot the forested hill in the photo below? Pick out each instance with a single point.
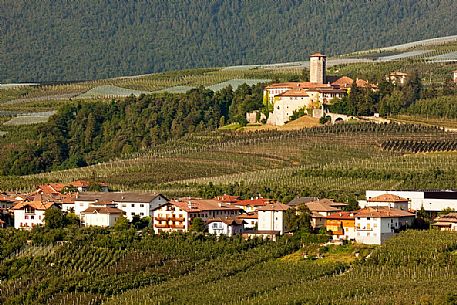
(56, 40)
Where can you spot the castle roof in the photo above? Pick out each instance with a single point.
(294, 92)
(298, 85)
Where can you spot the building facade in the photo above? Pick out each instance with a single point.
(432, 201)
(375, 225)
(271, 218)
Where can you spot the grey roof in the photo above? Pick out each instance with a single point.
(118, 197)
(300, 200)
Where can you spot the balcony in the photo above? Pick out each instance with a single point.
(161, 218)
(177, 218)
(161, 226)
(177, 226)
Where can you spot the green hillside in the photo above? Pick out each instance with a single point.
(72, 40)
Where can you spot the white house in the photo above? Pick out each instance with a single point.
(389, 200)
(177, 215)
(454, 76)
(446, 222)
(101, 215)
(228, 226)
(431, 201)
(374, 225)
(141, 204)
(342, 225)
(271, 218)
(29, 214)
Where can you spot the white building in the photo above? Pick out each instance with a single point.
(29, 214)
(431, 201)
(141, 204)
(228, 226)
(271, 218)
(101, 215)
(374, 225)
(389, 200)
(177, 215)
(446, 222)
(454, 76)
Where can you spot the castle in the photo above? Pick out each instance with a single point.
(283, 99)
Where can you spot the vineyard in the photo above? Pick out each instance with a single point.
(413, 268)
(339, 160)
(95, 266)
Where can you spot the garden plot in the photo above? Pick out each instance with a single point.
(110, 91)
(30, 118)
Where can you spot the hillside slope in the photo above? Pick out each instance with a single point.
(70, 40)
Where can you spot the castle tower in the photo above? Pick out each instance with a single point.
(317, 67)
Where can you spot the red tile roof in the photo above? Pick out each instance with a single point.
(387, 198)
(253, 202)
(344, 82)
(383, 212)
(323, 205)
(343, 215)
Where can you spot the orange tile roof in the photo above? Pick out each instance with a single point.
(344, 81)
(199, 205)
(6, 198)
(294, 92)
(323, 205)
(226, 220)
(37, 205)
(79, 183)
(343, 215)
(383, 212)
(318, 54)
(387, 198)
(274, 207)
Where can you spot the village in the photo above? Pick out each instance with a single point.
(381, 216)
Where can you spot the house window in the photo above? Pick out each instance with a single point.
(142, 214)
(133, 205)
(141, 205)
(32, 217)
(215, 225)
(368, 218)
(124, 205)
(133, 213)
(26, 217)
